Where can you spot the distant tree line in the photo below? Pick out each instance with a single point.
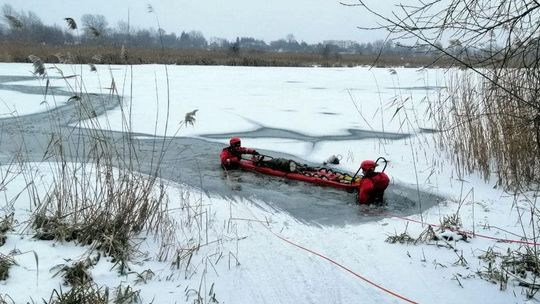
(93, 29)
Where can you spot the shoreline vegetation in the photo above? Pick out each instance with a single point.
(92, 40)
(88, 54)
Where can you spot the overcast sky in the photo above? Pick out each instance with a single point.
(308, 20)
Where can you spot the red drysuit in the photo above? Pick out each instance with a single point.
(371, 189)
(230, 156)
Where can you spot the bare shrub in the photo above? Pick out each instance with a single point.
(201, 298)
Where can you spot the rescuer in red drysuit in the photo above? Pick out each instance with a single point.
(372, 185)
(230, 156)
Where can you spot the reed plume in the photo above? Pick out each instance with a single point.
(72, 25)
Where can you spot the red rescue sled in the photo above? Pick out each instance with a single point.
(292, 170)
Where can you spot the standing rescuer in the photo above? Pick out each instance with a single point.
(373, 184)
(231, 155)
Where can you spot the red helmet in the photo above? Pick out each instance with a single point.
(235, 141)
(368, 165)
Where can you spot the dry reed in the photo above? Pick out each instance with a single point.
(487, 129)
(18, 52)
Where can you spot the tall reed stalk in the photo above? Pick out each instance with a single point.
(486, 129)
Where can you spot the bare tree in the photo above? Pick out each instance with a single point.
(94, 25)
(123, 28)
(290, 38)
(7, 10)
(11, 18)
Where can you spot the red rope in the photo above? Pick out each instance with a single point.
(347, 269)
(469, 233)
(337, 264)
(410, 220)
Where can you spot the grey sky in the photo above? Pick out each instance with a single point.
(308, 20)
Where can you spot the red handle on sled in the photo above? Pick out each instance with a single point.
(385, 162)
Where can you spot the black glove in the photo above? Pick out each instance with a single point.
(256, 153)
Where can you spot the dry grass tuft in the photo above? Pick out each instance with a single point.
(77, 273)
(127, 295)
(5, 263)
(199, 298)
(522, 265)
(403, 238)
(427, 235)
(51, 228)
(450, 222)
(6, 225)
(493, 272)
(447, 231)
(81, 294)
(90, 293)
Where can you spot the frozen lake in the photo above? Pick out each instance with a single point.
(252, 221)
(302, 113)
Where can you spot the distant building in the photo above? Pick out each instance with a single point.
(216, 42)
(344, 44)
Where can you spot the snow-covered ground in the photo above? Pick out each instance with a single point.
(260, 255)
